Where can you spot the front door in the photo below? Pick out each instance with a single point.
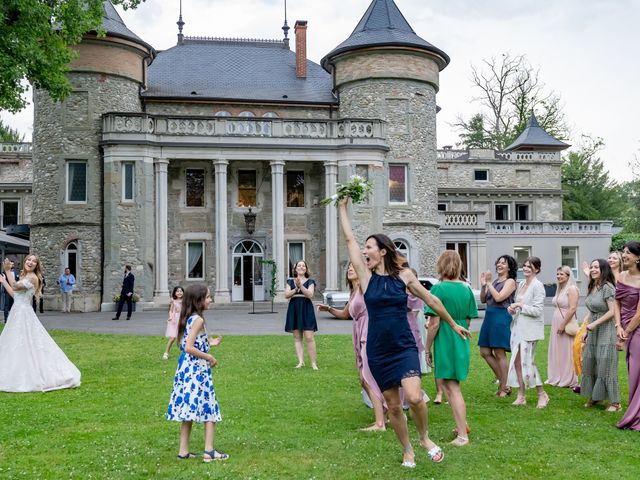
(247, 272)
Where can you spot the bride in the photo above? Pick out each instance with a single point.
(30, 361)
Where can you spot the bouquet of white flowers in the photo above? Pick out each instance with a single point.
(357, 189)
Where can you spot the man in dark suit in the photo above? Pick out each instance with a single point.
(8, 299)
(126, 295)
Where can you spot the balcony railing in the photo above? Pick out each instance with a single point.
(568, 227)
(242, 127)
(476, 221)
(24, 147)
(449, 154)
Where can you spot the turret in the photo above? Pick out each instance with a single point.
(385, 70)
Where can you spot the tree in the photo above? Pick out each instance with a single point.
(9, 135)
(631, 193)
(510, 89)
(475, 134)
(590, 193)
(36, 36)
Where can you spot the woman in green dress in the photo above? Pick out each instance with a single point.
(451, 351)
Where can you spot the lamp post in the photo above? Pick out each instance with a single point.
(250, 221)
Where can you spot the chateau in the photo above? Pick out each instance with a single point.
(200, 162)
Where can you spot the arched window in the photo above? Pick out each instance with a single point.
(270, 115)
(402, 248)
(71, 258)
(222, 113)
(246, 114)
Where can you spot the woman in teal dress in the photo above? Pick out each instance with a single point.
(451, 350)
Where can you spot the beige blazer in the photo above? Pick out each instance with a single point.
(528, 323)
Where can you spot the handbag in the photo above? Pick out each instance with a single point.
(572, 327)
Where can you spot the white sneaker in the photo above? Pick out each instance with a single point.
(165, 356)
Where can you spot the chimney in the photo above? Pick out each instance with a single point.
(301, 48)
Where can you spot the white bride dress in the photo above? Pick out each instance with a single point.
(30, 360)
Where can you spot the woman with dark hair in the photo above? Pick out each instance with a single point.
(495, 333)
(175, 307)
(526, 329)
(391, 347)
(357, 310)
(301, 318)
(627, 315)
(600, 357)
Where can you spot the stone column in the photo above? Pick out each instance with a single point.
(222, 257)
(277, 198)
(161, 290)
(331, 225)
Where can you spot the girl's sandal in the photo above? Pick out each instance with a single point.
(211, 455)
(186, 456)
(436, 454)
(503, 392)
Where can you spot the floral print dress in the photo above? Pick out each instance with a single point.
(193, 398)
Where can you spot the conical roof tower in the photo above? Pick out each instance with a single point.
(534, 137)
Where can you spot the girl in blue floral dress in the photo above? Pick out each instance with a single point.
(193, 398)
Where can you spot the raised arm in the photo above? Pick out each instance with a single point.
(432, 302)
(507, 290)
(355, 254)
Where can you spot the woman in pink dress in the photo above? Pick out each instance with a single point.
(357, 310)
(627, 317)
(175, 307)
(560, 360)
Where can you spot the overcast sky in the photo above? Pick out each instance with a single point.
(586, 50)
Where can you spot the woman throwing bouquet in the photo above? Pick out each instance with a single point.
(391, 347)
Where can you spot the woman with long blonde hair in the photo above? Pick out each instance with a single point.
(560, 371)
(30, 360)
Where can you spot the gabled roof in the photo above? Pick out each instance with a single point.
(384, 25)
(114, 26)
(535, 137)
(227, 69)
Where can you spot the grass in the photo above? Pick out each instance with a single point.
(279, 422)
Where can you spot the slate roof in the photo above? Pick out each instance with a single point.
(236, 70)
(535, 137)
(383, 25)
(114, 26)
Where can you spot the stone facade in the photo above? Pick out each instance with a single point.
(408, 105)
(16, 177)
(71, 131)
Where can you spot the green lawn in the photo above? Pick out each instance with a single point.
(279, 422)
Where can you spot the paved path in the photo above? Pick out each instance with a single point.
(227, 320)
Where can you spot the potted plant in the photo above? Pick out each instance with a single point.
(134, 298)
(550, 289)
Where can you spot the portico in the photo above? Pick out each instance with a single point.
(222, 149)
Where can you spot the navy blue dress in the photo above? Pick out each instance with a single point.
(300, 314)
(391, 347)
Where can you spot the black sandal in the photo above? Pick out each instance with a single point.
(214, 455)
(186, 456)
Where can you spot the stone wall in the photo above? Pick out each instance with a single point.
(409, 107)
(71, 130)
(17, 168)
(502, 174)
